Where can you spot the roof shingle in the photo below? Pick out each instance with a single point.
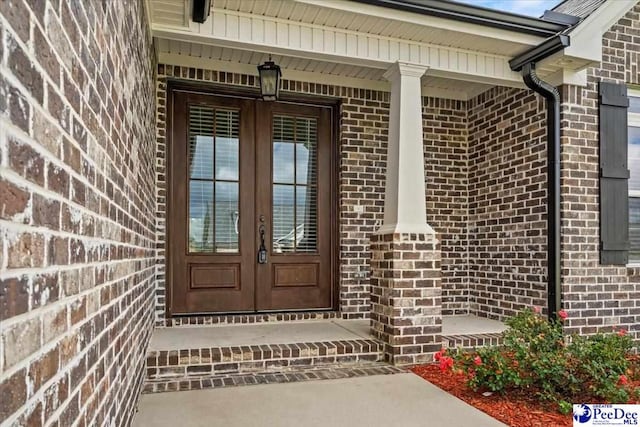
(579, 8)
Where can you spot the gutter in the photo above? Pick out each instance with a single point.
(526, 64)
(475, 15)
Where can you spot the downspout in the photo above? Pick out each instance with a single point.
(526, 64)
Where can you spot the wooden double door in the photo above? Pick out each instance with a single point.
(250, 206)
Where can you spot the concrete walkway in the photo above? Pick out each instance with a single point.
(387, 400)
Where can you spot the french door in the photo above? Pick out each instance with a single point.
(250, 205)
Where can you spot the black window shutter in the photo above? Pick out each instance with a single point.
(614, 175)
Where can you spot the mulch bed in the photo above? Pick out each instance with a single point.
(513, 410)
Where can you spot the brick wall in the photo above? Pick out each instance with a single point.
(76, 230)
(363, 126)
(446, 173)
(596, 296)
(362, 156)
(507, 201)
(406, 303)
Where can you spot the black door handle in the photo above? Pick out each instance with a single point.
(262, 251)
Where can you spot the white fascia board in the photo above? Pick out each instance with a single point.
(427, 21)
(586, 38)
(280, 36)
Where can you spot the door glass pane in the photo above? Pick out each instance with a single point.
(200, 216)
(305, 151)
(200, 142)
(284, 149)
(306, 219)
(634, 104)
(283, 218)
(295, 204)
(634, 229)
(214, 173)
(283, 156)
(227, 146)
(227, 217)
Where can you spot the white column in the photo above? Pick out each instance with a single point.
(405, 202)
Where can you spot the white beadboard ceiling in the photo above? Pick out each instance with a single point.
(184, 53)
(170, 12)
(173, 18)
(177, 13)
(386, 27)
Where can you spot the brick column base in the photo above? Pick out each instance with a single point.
(406, 296)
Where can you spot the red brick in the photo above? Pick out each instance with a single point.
(14, 297)
(13, 393)
(14, 198)
(26, 250)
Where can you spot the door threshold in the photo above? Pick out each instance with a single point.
(251, 317)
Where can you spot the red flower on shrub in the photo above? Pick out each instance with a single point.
(537, 310)
(623, 380)
(562, 314)
(446, 362)
(477, 361)
(439, 354)
(622, 332)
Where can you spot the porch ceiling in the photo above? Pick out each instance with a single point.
(324, 39)
(176, 52)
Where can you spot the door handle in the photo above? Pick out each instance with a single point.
(262, 251)
(235, 216)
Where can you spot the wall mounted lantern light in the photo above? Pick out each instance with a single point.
(200, 10)
(270, 76)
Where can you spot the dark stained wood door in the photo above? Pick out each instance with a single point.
(212, 255)
(293, 204)
(247, 174)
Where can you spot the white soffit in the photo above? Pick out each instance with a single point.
(386, 22)
(308, 31)
(170, 12)
(356, 40)
(181, 53)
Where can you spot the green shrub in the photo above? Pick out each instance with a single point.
(536, 358)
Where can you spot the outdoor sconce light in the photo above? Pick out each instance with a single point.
(200, 11)
(269, 80)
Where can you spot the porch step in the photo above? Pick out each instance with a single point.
(251, 318)
(468, 332)
(181, 358)
(257, 358)
(293, 374)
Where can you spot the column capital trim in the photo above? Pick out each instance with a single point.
(405, 69)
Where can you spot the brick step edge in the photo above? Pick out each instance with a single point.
(249, 318)
(256, 378)
(471, 341)
(217, 360)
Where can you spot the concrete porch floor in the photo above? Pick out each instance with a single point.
(297, 332)
(386, 400)
(470, 325)
(258, 334)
